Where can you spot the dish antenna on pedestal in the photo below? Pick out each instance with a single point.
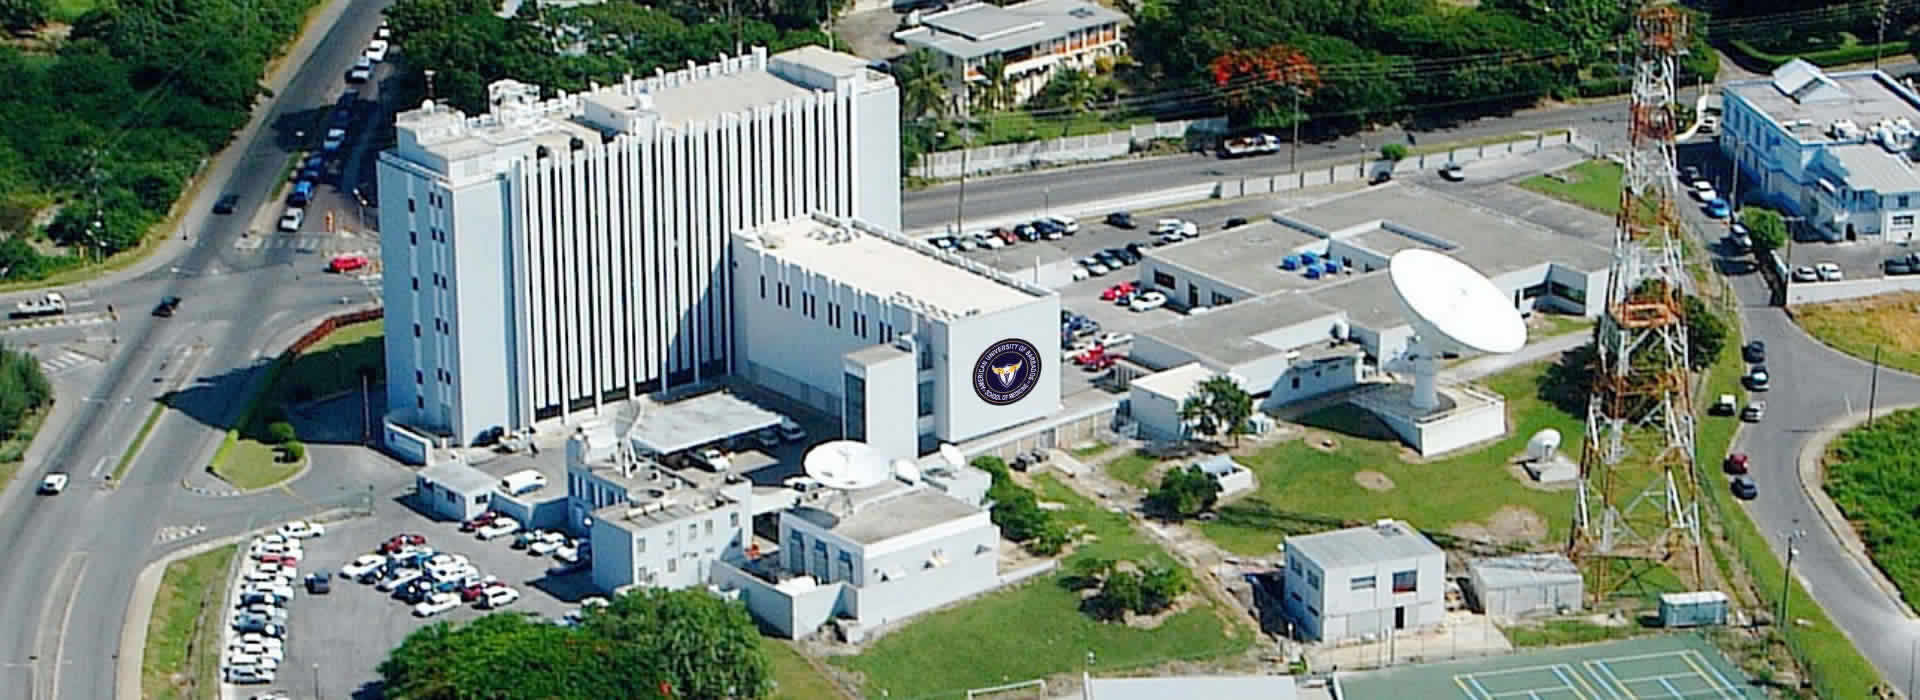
(1453, 308)
(847, 466)
(953, 455)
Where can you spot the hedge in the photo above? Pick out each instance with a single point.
(1830, 57)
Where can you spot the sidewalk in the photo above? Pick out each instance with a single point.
(175, 242)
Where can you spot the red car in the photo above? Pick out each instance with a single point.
(1116, 291)
(1104, 362)
(475, 591)
(348, 263)
(281, 559)
(479, 521)
(1736, 463)
(399, 541)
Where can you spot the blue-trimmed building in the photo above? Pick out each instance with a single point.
(1834, 148)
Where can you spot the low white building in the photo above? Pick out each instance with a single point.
(1233, 478)
(454, 491)
(1188, 688)
(1526, 584)
(867, 558)
(1155, 399)
(1363, 582)
(1033, 39)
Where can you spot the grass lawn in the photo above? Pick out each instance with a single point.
(1036, 629)
(329, 367)
(795, 678)
(1857, 326)
(1871, 477)
(1019, 126)
(1298, 478)
(1561, 324)
(1092, 450)
(1557, 633)
(186, 613)
(13, 451)
(1132, 469)
(1594, 185)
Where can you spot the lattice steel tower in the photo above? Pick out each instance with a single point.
(1638, 485)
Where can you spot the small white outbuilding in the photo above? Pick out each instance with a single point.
(1526, 584)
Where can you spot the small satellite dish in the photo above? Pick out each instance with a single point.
(847, 465)
(953, 455)
(906, 470)
(1453, 306)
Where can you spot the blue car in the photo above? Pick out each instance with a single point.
(1718, 209)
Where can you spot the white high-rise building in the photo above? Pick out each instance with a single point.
(554, 256)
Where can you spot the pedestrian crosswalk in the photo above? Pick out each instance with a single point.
(177, 532)
(333, 242)
(373, 280)
(64, 362)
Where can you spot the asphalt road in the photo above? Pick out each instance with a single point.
(991, 198)
(71, 559)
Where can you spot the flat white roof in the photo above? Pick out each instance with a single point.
(888, 267)
(1208, 687)
(1177, 383)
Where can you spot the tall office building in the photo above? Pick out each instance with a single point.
(554, 256)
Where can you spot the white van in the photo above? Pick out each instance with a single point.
(522, 481)
(1065, 223)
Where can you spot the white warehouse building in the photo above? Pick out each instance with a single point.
(909, 345)
(551, 257)
(1363, 581)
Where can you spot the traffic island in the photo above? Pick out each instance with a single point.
(182, 656)
(343, 354)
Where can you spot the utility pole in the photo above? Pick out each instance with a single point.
(1786, 581)
(1873, 385)
(1293, 157)
(1879, 31)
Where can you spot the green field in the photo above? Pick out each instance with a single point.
(794, 677)
(1297, 477)
(181, 658)
(1594, 184)
(1035, 629)
(1884, 324)
(1871, 476)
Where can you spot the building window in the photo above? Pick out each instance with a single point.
(416, 284)
(926, 355)
(709, 526)
(1405, 581)
(673, 564)
(419, 377)
(855, 410)
(763, 286)
(1221, 299)
(413, 238)
(409, 205)
(416, 330)
(640, 544)
(1162, 279)
(1900, 201)
(1903, 221)
(1296, 382)
(733, 520)
(1362, 583)
(420, 402)
(926, 398)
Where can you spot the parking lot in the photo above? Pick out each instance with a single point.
(1096, 234)
(335, 640)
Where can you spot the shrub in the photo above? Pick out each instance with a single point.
(1184, 493)
(1394, 152)
(1829, 57)
(294, 451)
(281, 433)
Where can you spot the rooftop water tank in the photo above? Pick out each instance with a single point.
(1313, 273)
(1332, 268)
(1291, 262)
(1311, 257)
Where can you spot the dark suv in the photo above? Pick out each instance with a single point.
(167, 306)
(226, 204)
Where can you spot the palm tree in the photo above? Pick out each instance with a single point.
(997, 92)
(923, 89)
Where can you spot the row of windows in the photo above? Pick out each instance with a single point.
(693, 531)
(809, 307)
(439, 375)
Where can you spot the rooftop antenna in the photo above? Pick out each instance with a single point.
(1452, 308)
(846, 466)
(429, 73)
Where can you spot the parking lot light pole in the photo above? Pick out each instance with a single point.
(1786, 580)
(316, 682)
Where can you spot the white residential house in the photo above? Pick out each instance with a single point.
(1034, 39)
(1363, 581)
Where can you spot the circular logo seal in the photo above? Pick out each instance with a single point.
(1006, 372)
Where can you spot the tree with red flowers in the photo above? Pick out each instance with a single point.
(1264, 87)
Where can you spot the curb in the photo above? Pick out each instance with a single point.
(1812, 483)
(228, 491)
(133, 632)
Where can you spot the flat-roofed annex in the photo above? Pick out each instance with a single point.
(888, 268)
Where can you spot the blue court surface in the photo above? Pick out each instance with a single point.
(1674, 667)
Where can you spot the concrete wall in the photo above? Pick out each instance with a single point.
(1071, 149)
(1529, 599)
(545, 509)
(1158, 416)
(892, 407)
(1178, 282)
(789, 615)
(612, 556)
(1461, 428)
(1312, 379)
(410, 447)
(1816, 292)
(1357, 170)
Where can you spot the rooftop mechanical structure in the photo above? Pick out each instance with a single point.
(1638, 495)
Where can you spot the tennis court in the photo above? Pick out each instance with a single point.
(1673, 667)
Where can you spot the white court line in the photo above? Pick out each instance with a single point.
(1559, 672)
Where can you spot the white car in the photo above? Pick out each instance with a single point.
(791, 431)
(292, 218)
(384, 32)
(1094, 267)
(240, 658)
(1702, 189)
(279, 570)
(1804, 273)
(54, 483)
(248, 674)
(362, 70)
(446, 559)
(966, 243)
(1829, 272)
(301, 529)
(548, 545)
(594, 601)
(1165, 226)
(569, 554)
(266, 577)
(377, 50)
(361, 565)
(1189, 229)
(335, 139)
(1081, 273)
(273, 540)
(990, 241)
(402, 578)
(439, 603)
(498, 597)
(280, 589)
(1148, 301)
(256, 638)
(1112, 338)
(499, 528)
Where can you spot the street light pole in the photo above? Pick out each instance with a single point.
(1873, 385)
(1293, 157)
(316, 682)
(1786, 579)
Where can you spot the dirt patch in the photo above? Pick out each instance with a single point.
(1324, 442)
(1373, 481)
(1509, 525)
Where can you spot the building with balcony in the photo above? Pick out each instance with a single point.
(1033, 40)
(1835, 149)
(555, 257)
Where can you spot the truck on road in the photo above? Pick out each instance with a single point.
(50, 304)
(1249, 145)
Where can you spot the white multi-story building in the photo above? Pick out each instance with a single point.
(551, 257)
(910, 345)
(1364, 581)
(1033, 40)
(1835, 149)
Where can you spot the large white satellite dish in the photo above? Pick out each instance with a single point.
(847, 465)
(1453, 308)
(953, 455)
(906, 470)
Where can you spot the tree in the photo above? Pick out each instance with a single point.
(1184, 493)
(23, 389)
(1706, 333)
(996, 92)
(1257, 84)
(923, 87)
(22, 15)
(1218, 406)
(705, 646)
(1120, 592)
(281, 432)
(1766, 226)
(1161, 585)
(1393, 152)
(294, 451)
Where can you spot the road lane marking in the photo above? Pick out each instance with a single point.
(100, 468)
(60, 642)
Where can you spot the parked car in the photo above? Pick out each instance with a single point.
(226, 204)
(941, 242)
(377, 50)
(277, 651)
(348, 263)
(1690, 173)
(1120, 219)
(1718, 208)
(474, 589)
(1756, 410)
(1111, 339)
(400, 579)
(396, 542)
(1702, 189)
(362, 565)
(1148, 301)
(479, 521)
(292, 219)
(989, 240)
(548, 545)
(53, 483)
(1453, 172)
(1899, 265)
(791, 431)
(334, 140)
(1805, 273)
(320, 582)
(1757, 378)
(438, 603)
(1828, 272)
(240, 675)
(167, 306)
(1117, 291)
(1754, 352)
(499, 528)
(301, 529)
(1726, 405)
(802, 484)
(1744, 488)
(496, 598)
(1236, 222)
(1093, 266)
(362, 70)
